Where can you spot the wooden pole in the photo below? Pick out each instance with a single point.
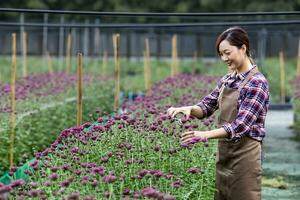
(116, 44)
(145, 73)
(104, 63)
(79, 89)
(147, 69)
(69, 50)
(49, 61)
(298, 60)
(174, 55)
(282, 77)
(13, 101)
(24, 52)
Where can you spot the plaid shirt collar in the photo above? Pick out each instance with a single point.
(241, 76)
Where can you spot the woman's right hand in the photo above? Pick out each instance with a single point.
(186, 110)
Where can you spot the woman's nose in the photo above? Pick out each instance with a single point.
(224, 58)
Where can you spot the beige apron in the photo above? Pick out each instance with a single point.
(238, 165)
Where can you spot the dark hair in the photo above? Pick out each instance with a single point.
(236, 36)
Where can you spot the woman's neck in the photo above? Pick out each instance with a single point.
(246, 66)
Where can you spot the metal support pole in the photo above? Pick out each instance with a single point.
(262, 43)
(86, 40)
(96, 39)
(22, 30)
(45, 35)
(61, 41)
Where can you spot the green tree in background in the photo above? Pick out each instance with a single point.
(158, 5)
(147, 6)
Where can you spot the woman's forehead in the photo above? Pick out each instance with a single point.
(225, 45)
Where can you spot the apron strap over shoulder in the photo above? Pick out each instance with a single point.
(245, 81)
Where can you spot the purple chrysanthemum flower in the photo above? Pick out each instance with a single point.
(54, 169)
(5, 189)
(105, 159)
(136, 194)
(65, 183)
(194, 170)
(176, 184)
(150, 192)
(158, 174)
(172, 151)
(47, 183)
(17, 183)
(156, 147)
(109, 178)
(168, 197)
(53, 176)
(169, 176)
(143, 173)
(74, 196)
(88, 198)
(94, 183)
(100, 119)
(78, 172)
(107, 194)
(13, 169)
(65, 167)
(33, 184)
(206, 122)
(126, 191)
(85, 179)
(109, 154)
(34, 193)
(75, 150)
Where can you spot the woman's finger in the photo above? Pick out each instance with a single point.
(187, 133)
(187, 115)
(187, 137)
(170, 111)
(186, 140)
(174, 113)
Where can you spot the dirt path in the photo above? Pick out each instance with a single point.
(282, 157)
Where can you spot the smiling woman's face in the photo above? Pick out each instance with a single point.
(232, 55)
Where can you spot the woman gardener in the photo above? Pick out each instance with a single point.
(242, 98)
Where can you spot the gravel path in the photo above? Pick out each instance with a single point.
(282, 156)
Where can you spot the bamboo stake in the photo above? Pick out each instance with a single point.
(49, 61)
(116, 44)
(24, 52)
(147, 66)
(13, 101)
(282, 77)
(174, 55)
(69, 49)
(104, 63)
(79, 89)
(145, 73)
(298, 62)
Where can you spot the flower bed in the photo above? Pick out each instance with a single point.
(132, 155)
(46, 104)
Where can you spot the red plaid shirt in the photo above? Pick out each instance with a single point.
(252, 105)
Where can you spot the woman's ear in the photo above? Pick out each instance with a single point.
(244, 48)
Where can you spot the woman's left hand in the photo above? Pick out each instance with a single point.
(187, 136)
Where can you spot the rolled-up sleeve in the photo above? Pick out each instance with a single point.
(209, 104)
(251, 106)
